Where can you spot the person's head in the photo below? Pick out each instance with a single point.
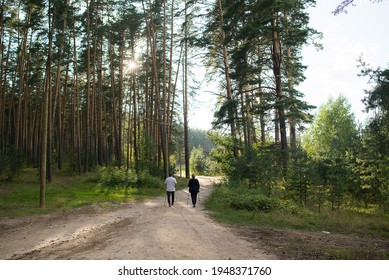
(170, 174)
(193, 176)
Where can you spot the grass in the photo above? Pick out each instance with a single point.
(341, 221)
(66, 191)
(292, 232)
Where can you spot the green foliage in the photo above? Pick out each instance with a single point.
(260, 165)
(222, 155)
(172, 164)
(378, 97)
(198, 161)
(253, 202)
(301, 174)
(148, 157)
(371, 164)
(224, 113)
(332, 168)
(329, 141)
(118, 178)
(11, 165)
(287, 214)
(372, 167)
(114, 177)
(145, 180)
(333, 131)
(238, 195)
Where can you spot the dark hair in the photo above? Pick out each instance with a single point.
(170, 174)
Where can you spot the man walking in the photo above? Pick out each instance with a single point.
(194, 188)
(171, 183)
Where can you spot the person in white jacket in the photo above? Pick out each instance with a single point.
(171, 183)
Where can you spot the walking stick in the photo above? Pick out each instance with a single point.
(187, 200)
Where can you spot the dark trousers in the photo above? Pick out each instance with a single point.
(168, 197)
(194, 198)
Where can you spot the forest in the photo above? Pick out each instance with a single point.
(88, 84)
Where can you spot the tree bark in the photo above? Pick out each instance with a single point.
(277, 60)
(22, 87)
(45, 116)
(292, 121)
(58, 91)
(87, 113)
(75, 106)
(231, 113)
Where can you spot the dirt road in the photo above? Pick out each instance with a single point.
(144, 230)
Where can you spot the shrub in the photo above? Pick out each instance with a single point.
(11, 165)
(238, 195)
(114, 177)
(147, 181)
(253, 202)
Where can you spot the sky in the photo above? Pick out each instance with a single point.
(332, 71)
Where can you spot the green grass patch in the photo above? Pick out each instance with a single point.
(286, 215)
(69, 191)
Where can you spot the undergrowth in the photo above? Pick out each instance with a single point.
(243, 206)
(104, 187)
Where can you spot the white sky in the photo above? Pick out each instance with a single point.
(333, 70)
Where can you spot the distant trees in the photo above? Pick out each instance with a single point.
(198, 137)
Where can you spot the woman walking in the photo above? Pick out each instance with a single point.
(194, 189)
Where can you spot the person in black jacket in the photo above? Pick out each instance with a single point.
(194, 188)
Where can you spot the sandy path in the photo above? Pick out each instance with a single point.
(146, 230)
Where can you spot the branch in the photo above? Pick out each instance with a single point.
(342, 6)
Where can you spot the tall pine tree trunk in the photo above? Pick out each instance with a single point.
(230, 98)
(88, 101)
(2, 82)
(45, 116)
(75, 106)
(120, 103)
(58, 91)
(164, 94)
(114, 125)
(279, 106)
(185, 68)
(22, 87)
(162, 130)
(101, 150)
